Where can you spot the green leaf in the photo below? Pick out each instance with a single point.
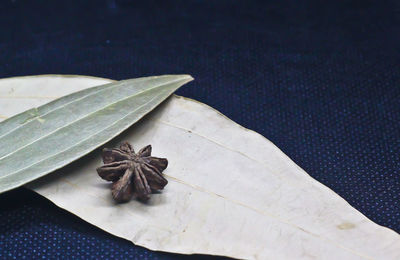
(43, 139)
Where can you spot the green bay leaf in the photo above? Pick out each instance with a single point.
(43, 139)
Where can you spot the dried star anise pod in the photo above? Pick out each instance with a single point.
(132, 174)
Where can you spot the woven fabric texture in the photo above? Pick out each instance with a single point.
(320, 79)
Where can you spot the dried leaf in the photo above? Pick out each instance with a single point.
(231, 192)
(41, 140)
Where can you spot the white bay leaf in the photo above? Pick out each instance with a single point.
(231, 192)
(61, 131)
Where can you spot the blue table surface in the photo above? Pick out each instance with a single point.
(320, 79)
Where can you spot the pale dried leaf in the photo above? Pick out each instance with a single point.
(231, 192)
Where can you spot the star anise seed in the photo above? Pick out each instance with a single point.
(132, 174)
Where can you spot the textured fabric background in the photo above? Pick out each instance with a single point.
(320, 79)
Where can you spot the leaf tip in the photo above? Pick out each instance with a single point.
(185, 77)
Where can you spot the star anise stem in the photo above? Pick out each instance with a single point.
(133, 174)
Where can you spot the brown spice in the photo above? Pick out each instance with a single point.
(132, 174)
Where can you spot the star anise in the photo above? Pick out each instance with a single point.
(132, 174)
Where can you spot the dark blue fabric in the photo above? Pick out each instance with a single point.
(320, 79)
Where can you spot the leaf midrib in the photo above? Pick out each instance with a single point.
(87, 115)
